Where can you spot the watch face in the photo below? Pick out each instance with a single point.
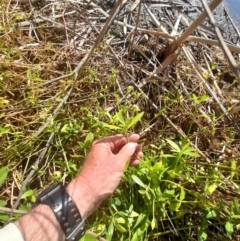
(65, 210)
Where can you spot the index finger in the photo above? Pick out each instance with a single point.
(118, 141)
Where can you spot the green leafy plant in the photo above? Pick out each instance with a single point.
(174, 194)
(121, 124)
(3, 174)
(199, 100)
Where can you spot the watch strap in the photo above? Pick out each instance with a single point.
(65, 211)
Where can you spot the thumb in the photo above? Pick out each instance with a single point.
(126, 152)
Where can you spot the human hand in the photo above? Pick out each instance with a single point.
(103, 170)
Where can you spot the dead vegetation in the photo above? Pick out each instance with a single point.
(65, 64)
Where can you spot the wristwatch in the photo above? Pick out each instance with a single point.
(65, 211)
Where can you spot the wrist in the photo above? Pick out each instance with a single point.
(41, 222)
(82, 196)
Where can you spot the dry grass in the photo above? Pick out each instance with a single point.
(190, 95)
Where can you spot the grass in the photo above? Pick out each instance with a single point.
(186, 186)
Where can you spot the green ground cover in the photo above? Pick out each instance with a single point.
(186, 186)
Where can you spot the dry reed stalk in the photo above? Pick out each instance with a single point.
(192, 27)
(233, 48)
(197, 68)
(211, 74)
(12, 211)
(232, 62)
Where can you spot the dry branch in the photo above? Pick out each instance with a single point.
(196, 68)
(193, 26)
(234, 66)
(190, 38)
(32, 172)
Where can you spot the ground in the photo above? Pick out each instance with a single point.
(70, 75)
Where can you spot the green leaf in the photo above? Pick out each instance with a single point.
(168, 155)
(119, 117)
(203, 98)
(110, 232)
(182, 194)
(211, 188)
(158, 166)
(229, 228)
(153, 223)
(3, 102)
(120, 220)
(190, 152)
(140, 231)
(171, 173)
(4, 217)
(141, 217)
(169, 192)
(235, 206)
(236, 186)
(109, 116)
(211, 214)
(175, 206)
(233, 167)
(89, 138)
(213, 65)
(173, 145)
(194, 97)
(131, 122)
(117, 201)
(2, 203)
(4, 130)
(120, 228)
(205, 75)
(186, 147)
(3, 174)
(202, 235)
(88, 237)
(25, 207)
(138, 181)
(111, 127)
(28, 193)
(133, 214)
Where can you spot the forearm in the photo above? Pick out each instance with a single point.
(41, 224)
